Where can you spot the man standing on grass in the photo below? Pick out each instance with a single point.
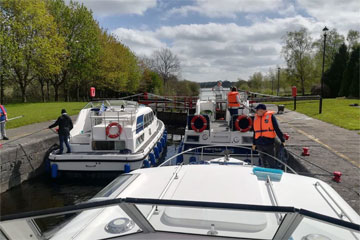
(65, 125)
(3, 120)
(265, 130)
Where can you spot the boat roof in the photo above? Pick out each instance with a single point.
(216, 184)
(233, 184)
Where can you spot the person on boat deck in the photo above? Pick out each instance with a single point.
(218, 90)
(234, 102)
(266, 128)
(65, 125)
(3, 120)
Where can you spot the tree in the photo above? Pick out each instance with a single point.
(353, 38)
(350, 83)
(354, 87)
(334, 75)
(33, 34)
(255, 81)
(6, 54)
(297, 53)
(333, 42)
(165, 63)
(118, 66)
(78, 27)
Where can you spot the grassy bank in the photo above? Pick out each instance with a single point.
(335, 111)
(39, 112)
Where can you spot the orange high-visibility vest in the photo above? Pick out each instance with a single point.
(263, 126)
(232, 101)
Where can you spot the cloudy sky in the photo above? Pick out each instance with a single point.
(220, 39)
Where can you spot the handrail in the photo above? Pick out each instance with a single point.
(179, 203)
(213, 146)
(273, 196)
(162, 194)
(343, 212)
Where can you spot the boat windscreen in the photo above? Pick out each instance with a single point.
(113, 186)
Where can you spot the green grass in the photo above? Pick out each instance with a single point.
(335, 111)
(39, 112)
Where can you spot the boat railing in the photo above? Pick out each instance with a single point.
(200, 152)
(294, 218)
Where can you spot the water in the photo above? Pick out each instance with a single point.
(43, 192)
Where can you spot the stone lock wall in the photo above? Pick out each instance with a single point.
(23, 159)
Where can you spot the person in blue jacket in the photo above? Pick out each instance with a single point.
(65, 125)
(3, 120)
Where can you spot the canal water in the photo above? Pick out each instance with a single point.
(43, 192)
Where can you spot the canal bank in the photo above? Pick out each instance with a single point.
(332, 149)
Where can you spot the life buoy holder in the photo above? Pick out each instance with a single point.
(203, 119)
(115, 135)
(237, 121)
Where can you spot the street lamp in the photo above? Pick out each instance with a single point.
(322, 73)
(278, 88)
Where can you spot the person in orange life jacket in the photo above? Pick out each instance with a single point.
(65, 125)
(266, 128)
(233, 102)
(3, 120)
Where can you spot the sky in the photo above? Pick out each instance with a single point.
(220, 39)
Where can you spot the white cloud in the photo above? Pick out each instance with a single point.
(117, 7)
(141, 42)
(227, 8)
(218, 51)
(342, 15)
(215, 51)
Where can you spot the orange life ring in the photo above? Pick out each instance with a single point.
(238, 119)
(113, 124)
(203, 119)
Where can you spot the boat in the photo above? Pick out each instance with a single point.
(216, 198)
(112, 135)
(211, 124)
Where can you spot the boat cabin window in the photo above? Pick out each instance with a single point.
(140, 140)
(148, 118)
(108, 145)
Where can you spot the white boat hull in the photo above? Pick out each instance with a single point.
(105, 161)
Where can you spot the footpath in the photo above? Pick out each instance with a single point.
(331, 149)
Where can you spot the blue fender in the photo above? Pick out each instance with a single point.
(159, 146)
(146, 163)
(54, 170)
(127, 168)
(152, 158)
(163, 142)
(156, 152)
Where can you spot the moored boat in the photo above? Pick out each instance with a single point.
(211, 124)
(113, 135)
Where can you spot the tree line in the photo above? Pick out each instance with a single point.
(304, 59)
(50, 50)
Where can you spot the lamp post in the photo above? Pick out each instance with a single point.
(272, 86)
(322, 72)
(278, 88)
